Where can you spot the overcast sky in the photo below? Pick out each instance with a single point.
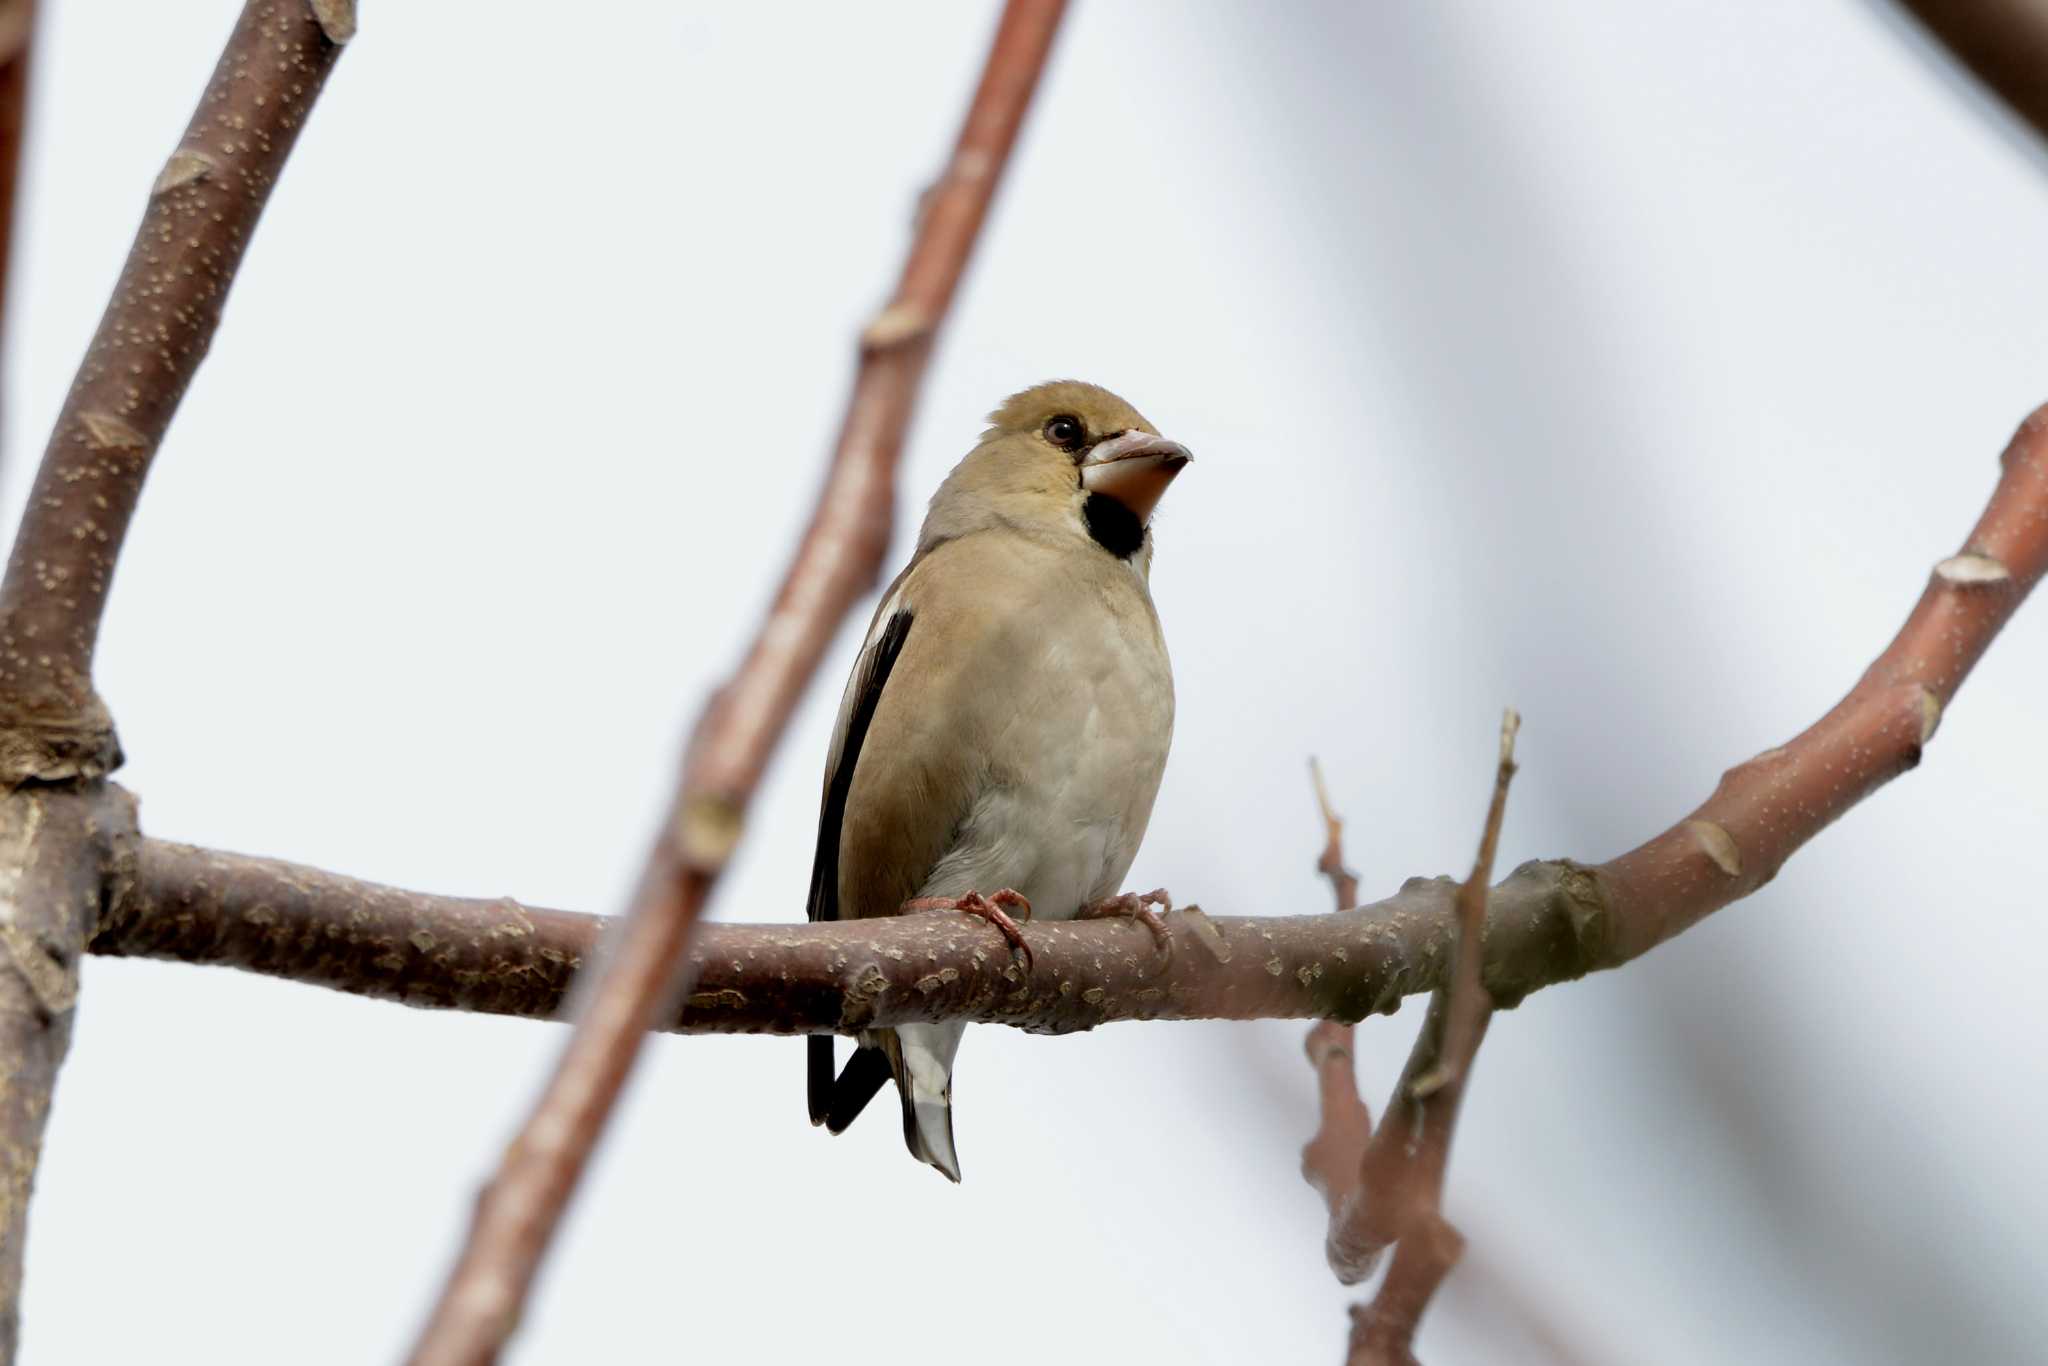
(1630, 364)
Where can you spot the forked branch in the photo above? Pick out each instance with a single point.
(1384, 1187)
(67, 838)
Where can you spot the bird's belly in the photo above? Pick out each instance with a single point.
(1016, 839)
(1072, 780)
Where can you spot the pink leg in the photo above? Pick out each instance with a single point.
(989, 908)
(1136, 906)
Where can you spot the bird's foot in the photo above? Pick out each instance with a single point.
(989, 908)
(1135, 906)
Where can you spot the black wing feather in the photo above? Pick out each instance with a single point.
(873, 676)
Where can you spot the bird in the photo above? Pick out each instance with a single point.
(1005, 729)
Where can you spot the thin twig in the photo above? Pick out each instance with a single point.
(202, 212)
(1384, 1188)
(1343, 882)
(1330, 1159)
(1469, 1002)
(1401, 1174)
(1766, 809)
(837, 561)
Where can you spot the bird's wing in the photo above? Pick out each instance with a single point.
(836, 1104)
(969, 661)
(886, 636)
(897, 781)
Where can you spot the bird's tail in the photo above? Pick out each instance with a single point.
(818, 1075)
(836, 1104)
(924, 1078)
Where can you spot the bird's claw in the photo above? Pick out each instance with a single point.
(989, 908)
(1136, 906)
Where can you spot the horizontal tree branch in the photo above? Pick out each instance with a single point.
(503, 958)
(1548, 922)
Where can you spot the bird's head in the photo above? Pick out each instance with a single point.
(1063, 456)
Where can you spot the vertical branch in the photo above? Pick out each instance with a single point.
(60, 850)
(1330, 863)
(157, 326)
(834, 565)
(1384, 1187)
(1401, 1178)
(1330, 1161)
(66, 838)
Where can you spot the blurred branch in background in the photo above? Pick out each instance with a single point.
(2004, 43)
(67, 838)
(834, 565)
(17, 39)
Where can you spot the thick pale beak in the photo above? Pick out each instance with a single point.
(1134, 469)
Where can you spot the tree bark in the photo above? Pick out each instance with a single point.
(201, 214)
(64, 852)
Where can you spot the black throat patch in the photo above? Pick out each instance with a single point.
(1114, 527)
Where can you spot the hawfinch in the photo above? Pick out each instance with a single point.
(1007, 722)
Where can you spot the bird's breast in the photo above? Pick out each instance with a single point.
(1073, 760)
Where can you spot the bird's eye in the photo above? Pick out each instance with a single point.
(1065, 431)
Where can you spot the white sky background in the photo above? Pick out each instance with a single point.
(1627, 363)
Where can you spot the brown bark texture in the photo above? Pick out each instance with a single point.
(157, 327)
(835, 564)
(63, 851)
(67, 837)
(501, 957)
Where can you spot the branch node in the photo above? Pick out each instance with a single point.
(52, 981)
(337, 19)
(106, 432)
(184, 167)
(1206, 933)
(897, 325)
(708, 830)
(1930, 712)
(1971, 569)
(57, 741)
(1717, 844)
